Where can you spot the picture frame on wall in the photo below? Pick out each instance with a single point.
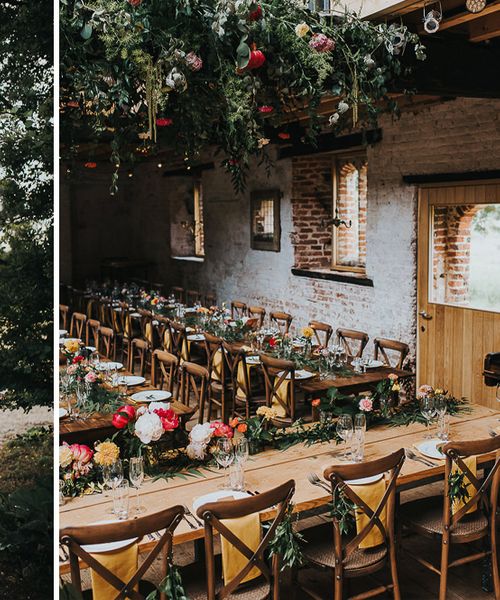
(265, 220)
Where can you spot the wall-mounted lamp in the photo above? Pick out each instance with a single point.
(336, 221)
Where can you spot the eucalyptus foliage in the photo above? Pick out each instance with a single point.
(182, 73)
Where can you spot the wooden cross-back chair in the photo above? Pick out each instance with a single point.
(220, 380)
(92, 308)
(281, 320)
(259, 313)
(276, 372)
(384, 348)
(164, 371)
(194, 382)
(342, 555)
(92, 333)
(349, 338)
(238, 309)
(147, 329)
(434, 518)
(213, 515)
(193, 297)
(107, 342)
(178, 339)
(105, 310)
(63, 316)
(210, 300)
(123, 324)
(140, 356)
(322, 332)
(246, 395)
(178, 293)
(77, 325)
(165, 522)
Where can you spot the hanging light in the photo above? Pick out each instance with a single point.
(432, 16)
(475, 6)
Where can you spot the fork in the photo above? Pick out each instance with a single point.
(412, 456)
(315, 480)
(190, 514)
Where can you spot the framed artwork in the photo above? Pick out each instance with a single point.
(265, 225)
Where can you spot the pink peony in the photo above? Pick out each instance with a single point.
(91, 377)
(193, 61)
(81, 454)
(424, 391)
(366, 404)
(321, 43)
(169, 419)
(221, 429)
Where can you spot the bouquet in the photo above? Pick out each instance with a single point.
(201, 438)
(76, 470)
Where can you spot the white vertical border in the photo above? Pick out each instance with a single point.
(56, 296)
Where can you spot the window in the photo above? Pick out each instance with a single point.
(199, 229)
(187, 231)
(349, 205)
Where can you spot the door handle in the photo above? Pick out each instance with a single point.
(425, 315)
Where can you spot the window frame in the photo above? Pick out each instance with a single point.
(198, 219)
(337, 158)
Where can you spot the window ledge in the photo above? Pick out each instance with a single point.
(189, 258)
(352, 278)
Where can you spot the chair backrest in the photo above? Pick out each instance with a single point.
(92, 333)
(348, 339)
(107, 342)
(282, 320)
(384, 350)
(276, 372)
(139, 351)
(147, 330)
(105, 313)
(195, 381)
(241, 387)
(178, 337)
(63, 316)
(238, 309)
(74, 538)
(164, 370)
(193, 297)
(483, 493)
(92, 308)
(77, 327)
(214, 513)
(259, 313)
(178, 293)
(321, 328)
(210, 300)
(215, 357)
(337, 475)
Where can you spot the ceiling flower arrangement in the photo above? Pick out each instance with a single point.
(223, 73)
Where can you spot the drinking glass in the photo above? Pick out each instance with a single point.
(428, 410)
(345, 431)
(498, 394)
(358, 438)
(444, 427)
(113, 476)
(236, 477)
(224, 456)
(136, 476)
(121, 495)
(82, 392)
(242, 451)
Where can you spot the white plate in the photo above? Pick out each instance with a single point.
(214, 496)
(91, 348)
(190, 310)
(62, 412)
(151, 396)
(365, 480)
(196, 337)
(190, 329)
(135, 315)
(62, 332)
(108, 546)
(300, 374)
(109, 366)
(130, 380)
(252, 360)
(429, 448)
(62, 341)
(371, 363)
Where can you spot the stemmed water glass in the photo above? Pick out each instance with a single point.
(428, 410)
(358, 443)
(112, 476)
(345, 431)
(136, 476)
(224, 455)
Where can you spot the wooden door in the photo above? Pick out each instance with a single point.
(458, 319)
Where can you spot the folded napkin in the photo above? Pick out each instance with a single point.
(217, 366)
(470, 463)
(167, 340)
(149, 332)
(241, 391)
(123, 563)
(282, 393)
(186, 350)
(248, 530)
(371, 494)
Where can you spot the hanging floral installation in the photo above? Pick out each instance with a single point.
(230, 74)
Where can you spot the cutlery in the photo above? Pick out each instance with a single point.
(412, 456)
(315, 480)
(492, 433)
(189, 513)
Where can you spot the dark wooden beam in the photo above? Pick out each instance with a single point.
(454, 67)
(329, 142)
(451, 177)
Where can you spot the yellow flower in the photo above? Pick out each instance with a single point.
(438, 392)
(301, 29)
(72, 345)
(308, 332)
(266, 412)
(154, 301)
(106, 454)
(65, 456)
(396, 387)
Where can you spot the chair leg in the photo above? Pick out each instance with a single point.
(443, 581)
(394, 573)
(494, 559)
(337, 584)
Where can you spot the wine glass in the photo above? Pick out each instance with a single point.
(113, 476)
(242, 451)
(428, 410)
(224, 456)
(345, 431)
(136, 476)
(358, 443)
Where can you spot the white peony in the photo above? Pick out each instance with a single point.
(152, 406)
(201, 434)
(148, 428)
(196, 451)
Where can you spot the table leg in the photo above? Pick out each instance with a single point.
(199, 550)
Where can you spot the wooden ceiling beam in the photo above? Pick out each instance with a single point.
(467, 17)
(485, 29)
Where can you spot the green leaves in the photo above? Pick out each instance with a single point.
(287, 542)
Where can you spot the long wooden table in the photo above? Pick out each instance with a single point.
(273, 467)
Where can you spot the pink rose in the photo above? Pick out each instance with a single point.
(425, 390)
(91, 377)
(392, 377)
(71, 370)
(81, 453)
(194, 62)
(321, 43)
(169, 419)
(366, 404)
